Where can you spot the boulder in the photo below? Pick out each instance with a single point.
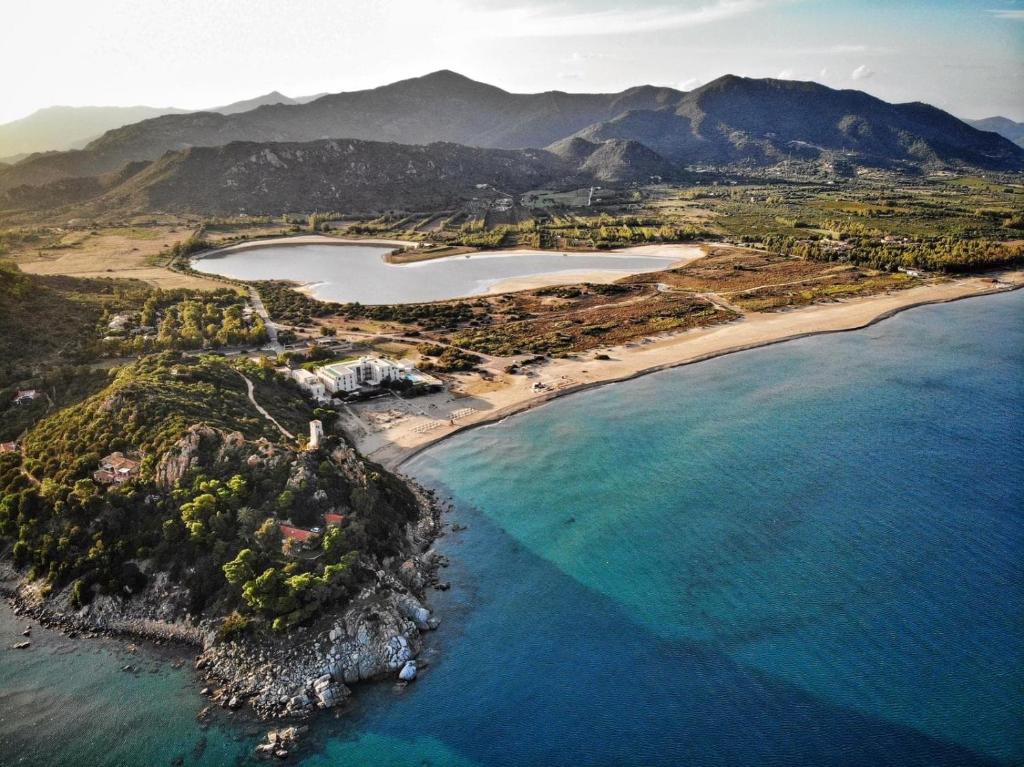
(408, 672)
(409, 574)
(411, 608)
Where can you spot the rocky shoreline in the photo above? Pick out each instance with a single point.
(377, 635)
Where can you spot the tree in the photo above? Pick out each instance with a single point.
(197, 512)
(268, 537)
(241, 568)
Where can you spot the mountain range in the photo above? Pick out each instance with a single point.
(328, 152)
(1004, 126)
(61, 128)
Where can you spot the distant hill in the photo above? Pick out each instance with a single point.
(60, 128)
(443, 106)
(267, 99)
(614, 161)
(1004, 126)
(351, 175)
(743, 120)
(254, 178)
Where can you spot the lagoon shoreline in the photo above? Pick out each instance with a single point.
(559, 267)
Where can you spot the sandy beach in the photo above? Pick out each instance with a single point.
(308, 239)
(683, 253)
(391, 431)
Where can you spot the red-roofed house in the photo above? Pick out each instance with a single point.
(115, 469)
(296, 533)
(334, 519)
(8, 447)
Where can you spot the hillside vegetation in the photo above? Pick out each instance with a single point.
(54, 316)
(214, 483)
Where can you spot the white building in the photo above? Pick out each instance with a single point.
(309, 382)
(355, 374)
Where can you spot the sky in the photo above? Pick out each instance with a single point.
(966, 57)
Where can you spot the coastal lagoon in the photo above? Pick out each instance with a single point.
(811, 553)
(349, 273)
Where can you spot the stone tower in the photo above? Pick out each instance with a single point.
(316, 434)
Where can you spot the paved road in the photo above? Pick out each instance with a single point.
(261, 310)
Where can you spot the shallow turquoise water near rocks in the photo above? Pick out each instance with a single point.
(806, 554)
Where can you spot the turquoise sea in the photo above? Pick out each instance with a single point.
(808, 554)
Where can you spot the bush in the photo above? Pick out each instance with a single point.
(232, 626)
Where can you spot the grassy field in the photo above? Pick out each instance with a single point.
(135, 251)
(139, 253)
(875, 207)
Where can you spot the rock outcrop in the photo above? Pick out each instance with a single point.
(379, 634)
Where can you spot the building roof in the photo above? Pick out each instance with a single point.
(296, 533)
(117, 461)
(335, 371)
(334, 519)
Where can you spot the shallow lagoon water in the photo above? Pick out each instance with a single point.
(811, 553)
(349, 273)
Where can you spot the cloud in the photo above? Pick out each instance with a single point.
(690, 83)
(785, 74)
(535, 21)
(578, 57)
(1006, 14)
(829, 50)
(862, 73)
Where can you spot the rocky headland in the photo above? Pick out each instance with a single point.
(375, 633)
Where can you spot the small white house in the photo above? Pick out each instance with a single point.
(309, 383)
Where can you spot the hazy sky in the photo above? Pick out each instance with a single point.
(966, 57)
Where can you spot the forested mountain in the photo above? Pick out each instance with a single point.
(737, 119)
(328, 175)
(442, 106)
(328, 152)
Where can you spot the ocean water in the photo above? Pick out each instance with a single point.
(808, 554)
(359, 273)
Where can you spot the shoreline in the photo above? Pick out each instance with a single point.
(393, 456)
(279, 679)
(674, 254)
(305, 239)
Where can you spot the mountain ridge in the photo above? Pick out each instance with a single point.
(735, 120)
(1004, 126)
(731, 122)
(62, 128)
